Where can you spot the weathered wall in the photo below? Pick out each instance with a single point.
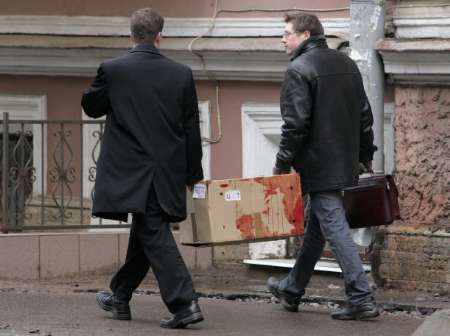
(63, 93)
(415, 252)
(64, 96)
(226, 156)
(35, 256)
(172, 8)
(414, 261)
(422, 149)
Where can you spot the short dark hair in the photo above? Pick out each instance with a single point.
(145, 24)
(302, 22)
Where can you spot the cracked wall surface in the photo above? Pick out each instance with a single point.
(422, 152)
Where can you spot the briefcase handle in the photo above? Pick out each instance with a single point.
(391, 184)
(393, 197)
(363, 168)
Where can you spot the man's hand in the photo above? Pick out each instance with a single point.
(279, 171)
(191, 186)
(366, 167)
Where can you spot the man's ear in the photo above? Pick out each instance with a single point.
(133, 42)
(158, 39)
(307, 34)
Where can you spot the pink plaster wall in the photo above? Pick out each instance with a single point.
(63, 93)
(226, 156)
(172, 8)
(63, 102)
(422, 151)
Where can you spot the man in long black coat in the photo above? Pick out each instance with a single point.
(151, 150)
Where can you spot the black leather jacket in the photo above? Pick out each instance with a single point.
(327, 118)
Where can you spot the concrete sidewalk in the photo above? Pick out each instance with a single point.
(233, 281)
(76, 314)
(235, 302)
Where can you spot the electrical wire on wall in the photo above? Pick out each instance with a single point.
(211, 76)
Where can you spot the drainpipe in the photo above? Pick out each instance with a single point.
(366, 27)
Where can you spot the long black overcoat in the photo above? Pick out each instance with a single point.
(151, 135)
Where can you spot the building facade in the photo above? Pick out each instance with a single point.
(50, 50)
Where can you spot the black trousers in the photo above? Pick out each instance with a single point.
(151, 244)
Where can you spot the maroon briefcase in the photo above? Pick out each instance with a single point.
(373, 202)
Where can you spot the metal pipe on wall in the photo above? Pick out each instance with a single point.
(5, 172)
(366, 27)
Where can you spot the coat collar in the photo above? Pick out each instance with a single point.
(145, 48)
(311, 43)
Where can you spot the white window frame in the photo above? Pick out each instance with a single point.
(31, 107)
(205, 130)
(260, 121)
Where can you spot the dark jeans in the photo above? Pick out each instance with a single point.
(327, 222)
(151, 244)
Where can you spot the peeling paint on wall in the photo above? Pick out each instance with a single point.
(375, 19)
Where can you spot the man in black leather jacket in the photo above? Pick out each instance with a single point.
(327, 132)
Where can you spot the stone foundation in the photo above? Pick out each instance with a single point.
(46, 255)
(413, 260)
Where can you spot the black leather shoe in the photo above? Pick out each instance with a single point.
(361, 312)
(119, 309)
(289, 302)
(190, 315)
(105, 300)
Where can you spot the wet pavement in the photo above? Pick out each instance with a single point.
(73, 314)
(234, 302)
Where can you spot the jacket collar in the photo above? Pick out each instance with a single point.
(311, 43)
(144, 47)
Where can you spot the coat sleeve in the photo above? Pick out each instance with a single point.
(366, 146)
(296, 107)
(95, 100)
(191, 124)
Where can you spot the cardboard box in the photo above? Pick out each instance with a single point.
(240, 210)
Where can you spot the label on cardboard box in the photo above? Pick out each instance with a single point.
(199, 191)
(232, 195)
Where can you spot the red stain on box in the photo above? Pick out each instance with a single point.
(298, 227)
(266, 208)
(292, 200)
(245, 225)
